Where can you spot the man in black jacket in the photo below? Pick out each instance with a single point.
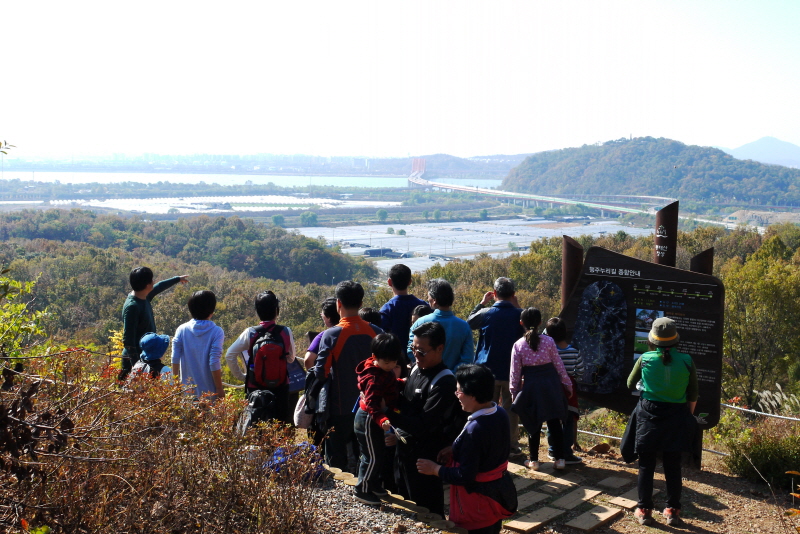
(428, 404)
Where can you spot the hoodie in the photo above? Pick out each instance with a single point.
(375, 385)
(197, 347)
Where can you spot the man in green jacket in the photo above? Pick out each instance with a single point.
(137, 313)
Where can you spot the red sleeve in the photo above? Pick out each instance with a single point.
(373, 394)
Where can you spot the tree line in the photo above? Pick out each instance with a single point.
(81, 285)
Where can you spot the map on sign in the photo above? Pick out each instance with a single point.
(612, 308)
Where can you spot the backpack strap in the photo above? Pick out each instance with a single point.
(443, 373)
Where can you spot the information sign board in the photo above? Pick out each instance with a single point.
(610, 311)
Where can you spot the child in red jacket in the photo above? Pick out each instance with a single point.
(379, 387)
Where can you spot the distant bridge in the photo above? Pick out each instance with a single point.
(418, 169)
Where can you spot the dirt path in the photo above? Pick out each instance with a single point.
(713, 501)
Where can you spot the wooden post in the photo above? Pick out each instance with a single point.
(666, 241)
(571, 266)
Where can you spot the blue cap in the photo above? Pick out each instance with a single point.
(153, 346)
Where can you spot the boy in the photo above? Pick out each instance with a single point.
(137, 313)
(197, 348)
(153, 348)
(379, 386)
(396, 314)
(573, 364)
(267, 335)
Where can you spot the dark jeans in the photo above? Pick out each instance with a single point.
(373, 449)
(672, 476)
(556, 439)
(340, 434)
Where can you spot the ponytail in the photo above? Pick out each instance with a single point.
(666, 356)
(531, 318)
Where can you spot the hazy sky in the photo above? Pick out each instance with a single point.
(384, 78)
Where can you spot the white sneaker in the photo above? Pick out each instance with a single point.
(559, 464)
(533, 465)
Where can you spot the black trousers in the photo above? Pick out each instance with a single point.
(555, 438)
(672, 476)
(491, 529)
(425, 490)
(373, 452)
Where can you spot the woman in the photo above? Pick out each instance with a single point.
(538, 382)
(662, 421)
(330, 316)
(482, 493)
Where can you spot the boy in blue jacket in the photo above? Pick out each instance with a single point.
(197, 348)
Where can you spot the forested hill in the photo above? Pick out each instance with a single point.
(661, 167)
(229, 242)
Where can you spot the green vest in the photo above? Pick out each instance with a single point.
(665, 383)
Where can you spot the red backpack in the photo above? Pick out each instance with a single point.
(266, 368)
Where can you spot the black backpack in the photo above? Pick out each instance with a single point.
(260, 407)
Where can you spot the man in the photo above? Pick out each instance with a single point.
(396, 313)
(427, 403)
(341, 349)
(268, 308)
(137, 313)
(459, 349)
(499, 329)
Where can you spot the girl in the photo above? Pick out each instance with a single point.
(538, 383)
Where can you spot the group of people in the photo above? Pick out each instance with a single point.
(409, 394)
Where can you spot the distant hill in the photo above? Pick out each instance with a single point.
(769, 150)
(437, 165)
(650, 166)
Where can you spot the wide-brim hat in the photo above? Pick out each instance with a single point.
(663, 333)
(153, 346)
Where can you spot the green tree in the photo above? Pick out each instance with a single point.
(278, 220)
(426, 214)
(308, 218)
(401, 232)
(20, 324)
(450, 215)
(390, 230)
(760, 343)
(484, 214)
(512, 246)
(437, 214)
(382, 215)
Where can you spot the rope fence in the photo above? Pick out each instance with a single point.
(756, 412)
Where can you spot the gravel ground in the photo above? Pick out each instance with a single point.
(714, 502)
(342, 514)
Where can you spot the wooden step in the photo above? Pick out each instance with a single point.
(615, 482)
(533, 520)
(594, 518)
(575, 498)
(629, 499)
(557, 485)
(532, 497)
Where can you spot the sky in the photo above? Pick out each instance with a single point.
(393, 79)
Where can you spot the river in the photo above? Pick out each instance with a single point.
(233, 179)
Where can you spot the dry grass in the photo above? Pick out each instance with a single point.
(83, 455)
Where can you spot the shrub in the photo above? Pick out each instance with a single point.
(603, 421)
(82, 455)
(769, 448)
